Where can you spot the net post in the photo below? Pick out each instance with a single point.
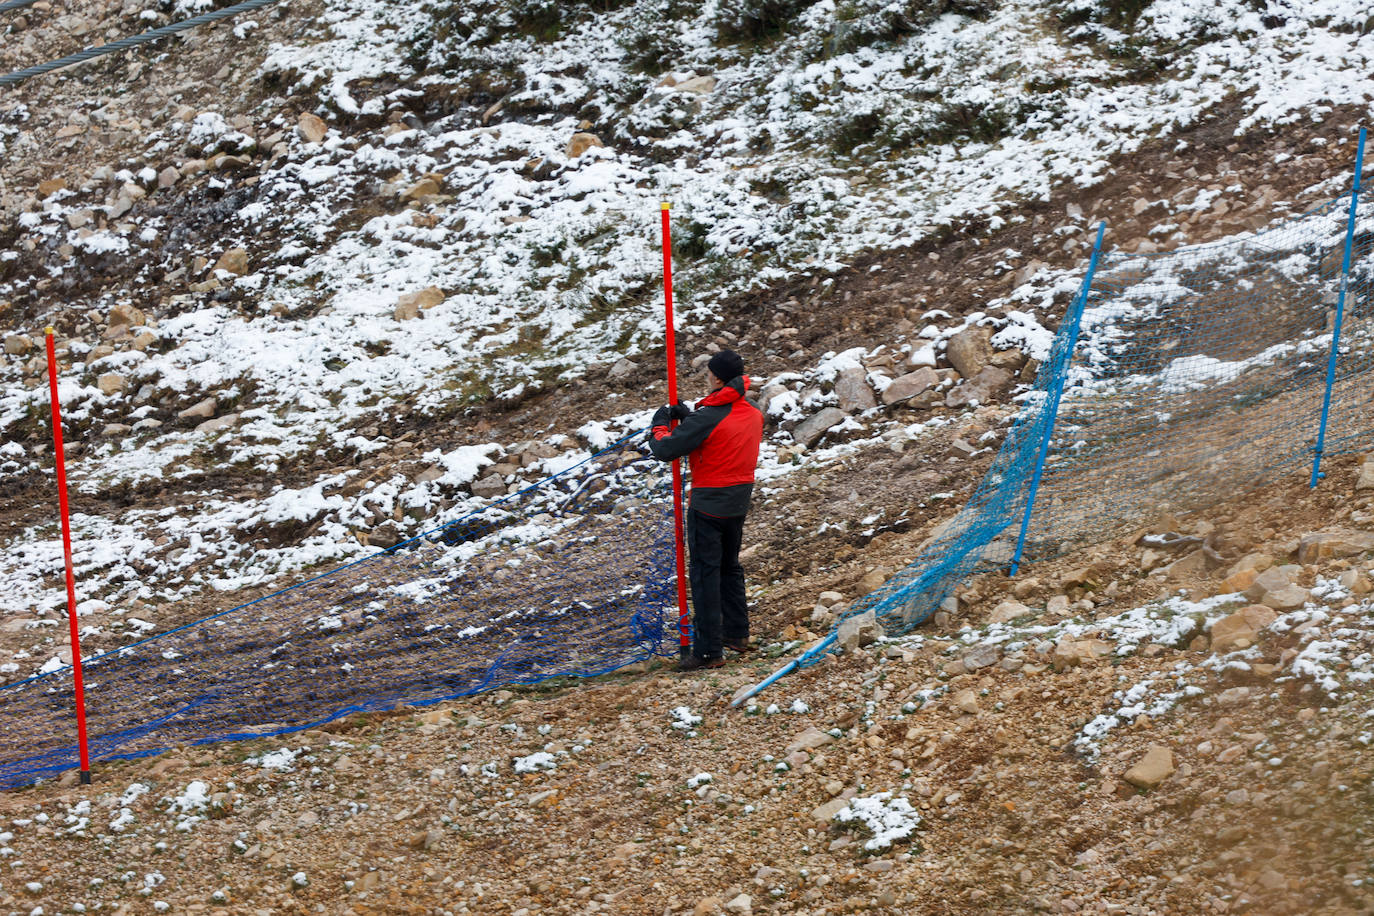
(1056, 392)
(79, 688)
(1331, 357)
(670, 344)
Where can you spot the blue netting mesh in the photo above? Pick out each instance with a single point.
(573, 576)
(1180, 379)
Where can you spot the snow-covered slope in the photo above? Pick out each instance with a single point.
(506, 161)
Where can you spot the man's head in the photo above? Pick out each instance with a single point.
(725, 367)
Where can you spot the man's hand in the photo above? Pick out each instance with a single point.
(664, 415)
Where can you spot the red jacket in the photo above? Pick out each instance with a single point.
(722, 437)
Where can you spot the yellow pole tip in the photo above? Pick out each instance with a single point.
(48, 330)
(666, 206)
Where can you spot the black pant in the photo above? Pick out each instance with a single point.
(717, 579)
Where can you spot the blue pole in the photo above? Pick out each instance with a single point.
(1340, 314)
(1056, 392)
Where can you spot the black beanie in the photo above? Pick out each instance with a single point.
(726, 366)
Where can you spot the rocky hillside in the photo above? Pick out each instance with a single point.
(304, 266)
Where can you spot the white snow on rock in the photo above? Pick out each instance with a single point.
(888, 819)
(534, 763)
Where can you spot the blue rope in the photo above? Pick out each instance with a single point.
(124, 44)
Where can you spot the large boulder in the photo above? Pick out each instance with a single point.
(809, 431)
(910, 385)
(981, 388)
(853, 391)
(1323, 545)
(970, 350)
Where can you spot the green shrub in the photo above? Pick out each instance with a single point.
(860, 23)
(754, 20)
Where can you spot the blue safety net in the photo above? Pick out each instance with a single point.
(1175, 380)
(573, 576)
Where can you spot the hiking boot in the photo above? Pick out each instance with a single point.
(696, 663)
(738, 645)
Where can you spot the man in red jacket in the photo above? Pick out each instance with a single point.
(722, 437)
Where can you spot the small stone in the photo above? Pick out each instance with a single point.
(218, 423)
(809, 740)
(622, 369)
(966, 701)
(235, 261)
(1259, 562)
(858, 631)
(426, 298)
(111, 383)
(406, 311)
(51, 186)
(1241, 629)
(581, 142)
(1188, 566)
(1289, 598)
(826, 813)
(981, 657)
(1239, 581)
(1156, 766)
(489, 487)
(1355, 582)
(17, 344)
(425, 187)
(742, 905)
(1366, 481)
(311, 128)
(200, 411)
(708, 906)
(981, 389)
(168, 177)
(124, 315)
(701, 85)
(79, 218)
(1269, 580)
(1065, 655)
(1007, 611)
(829, 599)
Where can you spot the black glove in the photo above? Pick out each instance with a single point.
(663, 415)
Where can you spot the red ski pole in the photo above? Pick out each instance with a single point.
(67, 553)
(683, 621)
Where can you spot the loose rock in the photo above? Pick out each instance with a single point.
(1156, 766)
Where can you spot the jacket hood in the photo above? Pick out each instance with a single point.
(728, 393)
